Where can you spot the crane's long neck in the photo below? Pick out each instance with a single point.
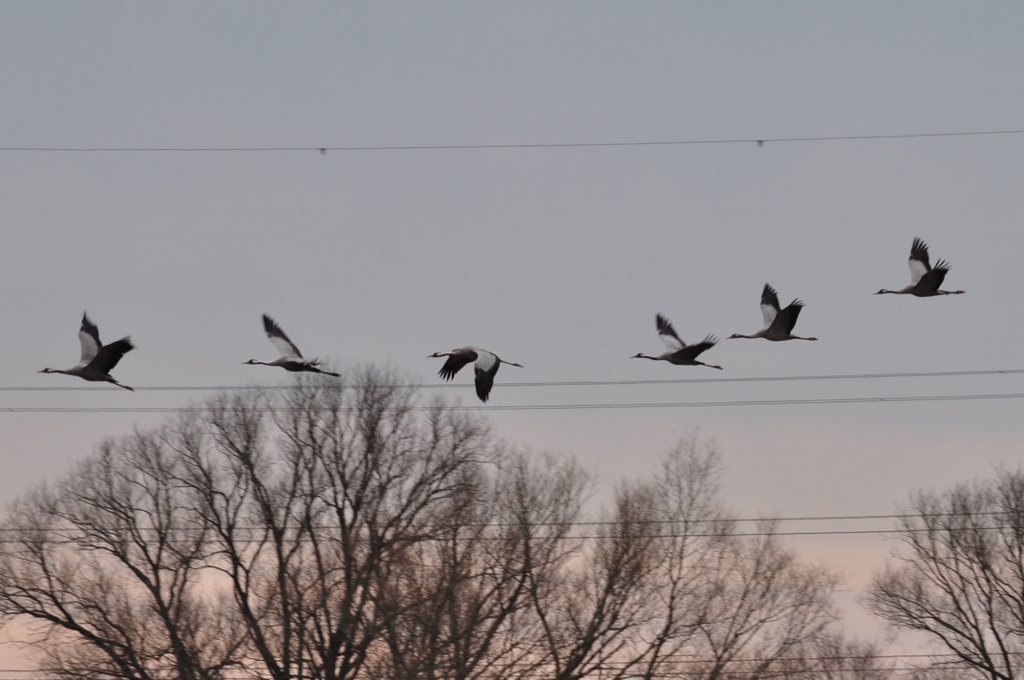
(952, 292)
(646, 356)
(55, 370)
(510, 363)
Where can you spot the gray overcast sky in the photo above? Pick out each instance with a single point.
(555, 258)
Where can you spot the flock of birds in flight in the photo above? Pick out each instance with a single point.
(925, 280)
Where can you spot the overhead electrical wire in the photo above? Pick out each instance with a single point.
(540, 145)
(556, 383)
(688, 659)
(796, 518)
(5, 535)
(545, 407)
(947, 659)
(737, 520)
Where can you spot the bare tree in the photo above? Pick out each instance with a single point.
(440, 602)
(833, 657)
(690, 524)
(957, 575)
(589, 611)
(342, 530)
(313, 509)
(106, 569)
(760, 605)
(465, 596)
(260, 530)
(729, 605)
(668, 588)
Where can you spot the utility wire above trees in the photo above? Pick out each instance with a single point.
(560, 407)
(540, 145)
(568, 383)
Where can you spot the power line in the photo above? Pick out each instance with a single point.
(562, 383)
(464, 147)
(780, 520)
(6, 539)
(687, 659)
(731, 520)
(546, 407)
(6, 533)
(797, 518)
(13, 535)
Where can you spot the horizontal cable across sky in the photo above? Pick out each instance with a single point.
(564, 383)
(542, 407)
(722, 521)
(686, 659)
(550, 145)
(257, 534)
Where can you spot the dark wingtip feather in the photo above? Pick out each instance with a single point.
(89, 327)
(485, 381)
(919, 252)
(454, 364)
(664, 327)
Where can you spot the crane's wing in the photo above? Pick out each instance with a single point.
(456, 360)
(89, 336)
(486, 368)
(108, 356)
(918, 261)
(769, 304)
(285, 346)
(704, 345)
(668, 334)
(934, 277)
(786, 320)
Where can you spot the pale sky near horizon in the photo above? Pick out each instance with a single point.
(557, 258)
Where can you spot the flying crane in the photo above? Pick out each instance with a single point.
(924, 278)
(291, 358)
(778, 322)
(486, 367)
(98, 360)
(678, 352)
